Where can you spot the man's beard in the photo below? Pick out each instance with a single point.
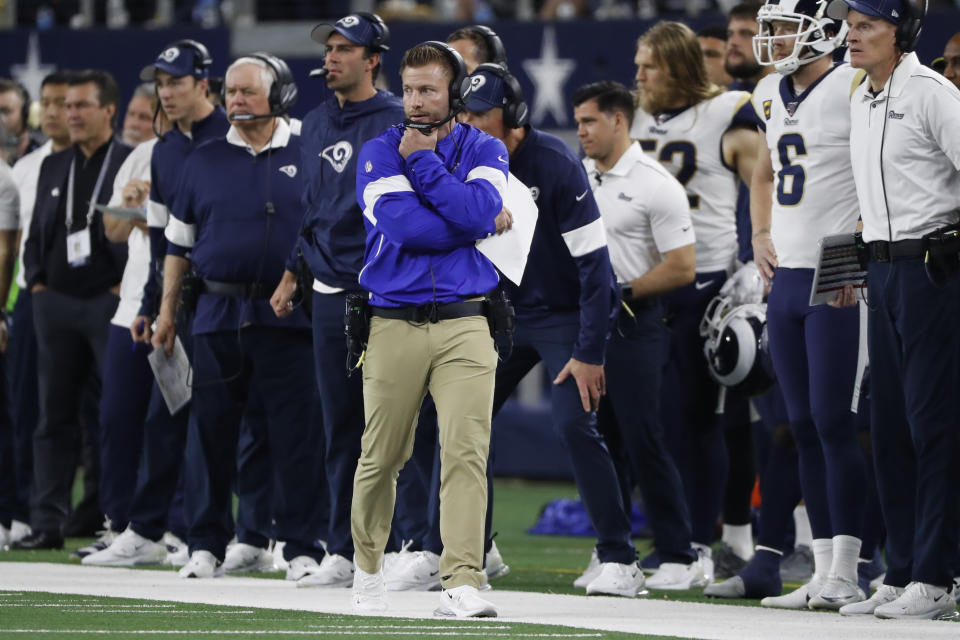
(654, 101)
(742, 71)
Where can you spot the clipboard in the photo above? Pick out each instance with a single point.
(509, 250)
(123, 213)
(837, 266)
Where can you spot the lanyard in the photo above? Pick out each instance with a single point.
(96, 189)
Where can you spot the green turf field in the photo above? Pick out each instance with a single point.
(50, 615)
(547, 564)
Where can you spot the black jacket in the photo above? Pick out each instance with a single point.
(51, 186)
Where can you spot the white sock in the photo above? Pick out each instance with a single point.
(801, 523)
(740, 538)
(846, 551)
(823, 558)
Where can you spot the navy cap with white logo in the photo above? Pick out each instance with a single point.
(177, 60)
(357, 28)
(889, 10)
(487, 92)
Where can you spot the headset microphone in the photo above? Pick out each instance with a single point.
(319, 72)
(427, 127)
(244, 117)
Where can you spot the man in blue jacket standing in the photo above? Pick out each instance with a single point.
(331, 241)
(564, 307)
(428, 192)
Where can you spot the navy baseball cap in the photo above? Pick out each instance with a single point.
(486, 92)
(177, 60)
(356, 28)
(889, 10)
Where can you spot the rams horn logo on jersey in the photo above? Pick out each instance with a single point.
(170, 54)
(290, 170)
(338, 155)
(766, 108)
(349, 21)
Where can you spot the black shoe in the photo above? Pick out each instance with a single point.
(39, 540)
(85, 522)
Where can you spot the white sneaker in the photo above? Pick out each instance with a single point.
(420, 572)
(464, 602)
(796, 599)
(178, 552)
(246, 558)
(202, 564)
(333, 571)
(279, 563)
(300, 567)
(884, 595)
(617, 579)
(369, 592)
(920, 601)
(106, 536)
(673, 576)
(396, 558)
(705, 555)
(4, 537)
(836, 592)
(493, 565)
(19, 531)
(591, 572)
(877, 582)
(129, 549)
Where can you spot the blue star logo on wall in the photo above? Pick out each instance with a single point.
(549, 73)
(32, 72)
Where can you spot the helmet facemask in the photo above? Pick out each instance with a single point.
(816, 35)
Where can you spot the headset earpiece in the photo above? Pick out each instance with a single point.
(908, 30)
(283, 93)
(381, 41)
(460, 86)
(516, 113)
(494, 43)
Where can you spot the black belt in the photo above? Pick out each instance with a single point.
(432, 312)
(251, 290)
(637, 304)
(883, 251)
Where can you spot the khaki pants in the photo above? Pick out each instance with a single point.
(456, 362)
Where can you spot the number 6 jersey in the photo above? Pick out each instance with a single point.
(687, 143)
(809, 140)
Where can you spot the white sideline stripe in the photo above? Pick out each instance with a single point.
(583, 240)
(381, 187)
(262, 632)
(654, 616)
(491, 175)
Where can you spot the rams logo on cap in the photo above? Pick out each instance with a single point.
(170, 54)
(766, 108)
(349, 21)
(477, 81)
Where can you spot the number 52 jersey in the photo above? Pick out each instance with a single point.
(809, 140)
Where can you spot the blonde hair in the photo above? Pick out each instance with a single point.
(674, 47)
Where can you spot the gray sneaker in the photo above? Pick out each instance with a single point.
(726, 562)
(798, 566)
(729, 588)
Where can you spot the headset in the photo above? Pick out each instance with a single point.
(283, 91)
(381, 40)
(494, 44)
(201, 61)
(458, 91)
(515, 111)
(910, 25)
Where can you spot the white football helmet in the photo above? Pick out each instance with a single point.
(816, 35)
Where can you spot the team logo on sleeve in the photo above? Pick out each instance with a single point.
(290, 170)
(338, 155)
(368, 167)
(767, 104)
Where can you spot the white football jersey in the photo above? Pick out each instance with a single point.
(809, 139)
(688, 145)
